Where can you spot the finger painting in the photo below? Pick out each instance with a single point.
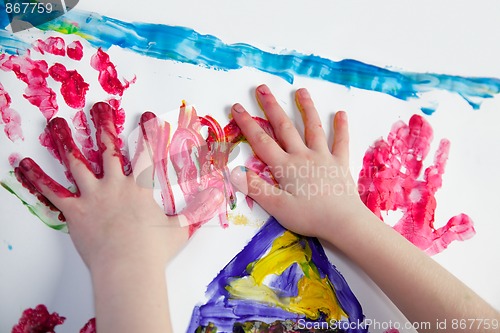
(55, 77)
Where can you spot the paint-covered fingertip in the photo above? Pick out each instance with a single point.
(146, 116)
(26, 164)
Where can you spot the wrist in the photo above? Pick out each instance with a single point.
(347, 226)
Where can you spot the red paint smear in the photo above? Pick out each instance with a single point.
(52, 45)
(119, 116)
(103, 116)
(89, 327)
(21, 178)
(73, 87)
(192, 158)
(63, 142)
(155, 136)
(46, 141)
(34, 73)
(14, 159)
(83, 136)
(10, 117)
(30, 172)
(388, 181)
(75, 50)
(108, 76)
(38, 320)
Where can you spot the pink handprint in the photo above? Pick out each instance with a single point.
(389, 181)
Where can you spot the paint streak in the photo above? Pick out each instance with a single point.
(48, 215)
(389, 181)
(34, 73)
(52, 45)
(34, 179)
(155, 136)
(38, 320)
(73, 87)
(188, 46)
(108, 76)
(201, 164)
(10, 117)
(278, 276)
(75, 50)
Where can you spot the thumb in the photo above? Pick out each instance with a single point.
(269, 197)
(202, 208)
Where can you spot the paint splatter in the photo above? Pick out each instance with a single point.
(188, 46)
(278, 278)
(108, 76)
(75, 50)
(389, 181)
(73, 87)
(9, 117)
(38, 320)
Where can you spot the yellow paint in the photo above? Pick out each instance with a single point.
(242, 220)
(315, 295)
(238, 219)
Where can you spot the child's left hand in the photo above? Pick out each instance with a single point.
(111, 220)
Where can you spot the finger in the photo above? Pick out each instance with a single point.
(202, 208)
(286, 133)
(103, 117)
(271, 198)
(262, 144)
(340, 148)
(74, 161)
(37, 181)
(314, 134)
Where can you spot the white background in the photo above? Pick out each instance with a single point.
(452, 37)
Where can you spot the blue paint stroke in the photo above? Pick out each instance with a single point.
(9, 247)
(188, 46)
(223, 311)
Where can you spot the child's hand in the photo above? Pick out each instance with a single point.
(111, 220)
(316, 191)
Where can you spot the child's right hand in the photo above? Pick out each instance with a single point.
(316, 191)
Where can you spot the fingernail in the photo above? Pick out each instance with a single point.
(304, 93)
(239, 179)
(263, 90)
(238, 108)
(342, 115)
